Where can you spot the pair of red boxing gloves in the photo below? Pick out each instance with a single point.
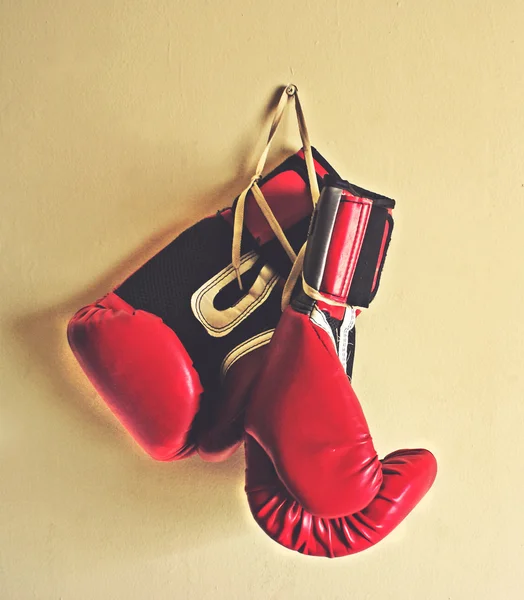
(195, 353)
(190, 363)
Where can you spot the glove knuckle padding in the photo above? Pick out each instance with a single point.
(143, 372)
(407, 476)
(306, 416)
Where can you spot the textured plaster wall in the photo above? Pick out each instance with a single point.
(121, 122)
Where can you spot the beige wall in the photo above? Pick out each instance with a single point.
(121, 122)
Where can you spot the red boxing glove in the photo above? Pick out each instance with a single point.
(313, 479)
(174, 349)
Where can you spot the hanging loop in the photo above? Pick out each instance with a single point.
(289, 93)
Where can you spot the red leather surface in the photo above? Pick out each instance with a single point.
(306, 416)
(407, 476)
(289, 198)
(346, 243)
(142, 371)
(313, 479)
